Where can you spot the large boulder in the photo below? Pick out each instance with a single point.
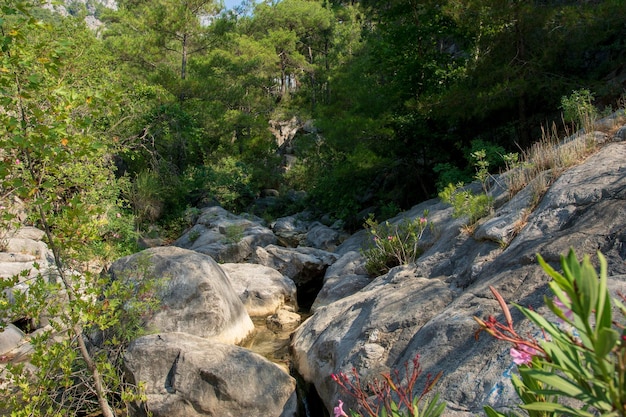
(25, 256)
(300, 230)
(186, 376)
(305, 266)
(343, 278)
(224, 236)
(196, 297)
(364, 330)
(262, 290)
(428, 308)
(21, 250)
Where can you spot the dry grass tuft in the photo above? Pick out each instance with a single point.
(548, 155)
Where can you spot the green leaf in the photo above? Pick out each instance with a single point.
(492, 413)
(556, 408)
(566, 357)
(603, 305)
(557, 277)
(605, 341)
(434, 408)
(540, 321)
(394, 407)
(588, 281)
(562, 384)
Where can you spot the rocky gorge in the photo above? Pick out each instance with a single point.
(230, 272)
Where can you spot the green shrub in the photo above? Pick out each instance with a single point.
(578, 109)
(193, 235)
(465, 203)
(391, 245)
(234, 232)
(448, 173)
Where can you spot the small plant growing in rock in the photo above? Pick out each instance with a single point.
(234, 232)
(391, 245)
(465, 202)
(579, 368)
(193, 235)
(391, 396)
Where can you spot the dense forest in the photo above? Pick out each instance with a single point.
(169, 103)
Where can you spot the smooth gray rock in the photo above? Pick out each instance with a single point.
(262, 290)
(283, 320)
(323, 237)
(197, 297)
(342, 335)
(186, 376)
(338, 287)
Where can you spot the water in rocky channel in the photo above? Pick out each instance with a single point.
(274, 346)
(271, 344)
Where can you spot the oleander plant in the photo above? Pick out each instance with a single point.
(578, 368)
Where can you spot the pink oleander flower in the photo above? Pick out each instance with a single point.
(339, 410)
(523, 355)
(423, 220)
(17, 162)
(566, 311)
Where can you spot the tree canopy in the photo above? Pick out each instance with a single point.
(400, 92)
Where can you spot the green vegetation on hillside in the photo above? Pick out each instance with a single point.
(400, 94)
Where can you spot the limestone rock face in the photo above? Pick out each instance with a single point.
(428, 308)
(343, 278)
(283, 320)
(262, 290)
(197, 296)
(187, 376)
(323, 237)
(305, 266)
(23, 249)
(365, 330)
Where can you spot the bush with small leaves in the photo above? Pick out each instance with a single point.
(391, 245)
(58, 160)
